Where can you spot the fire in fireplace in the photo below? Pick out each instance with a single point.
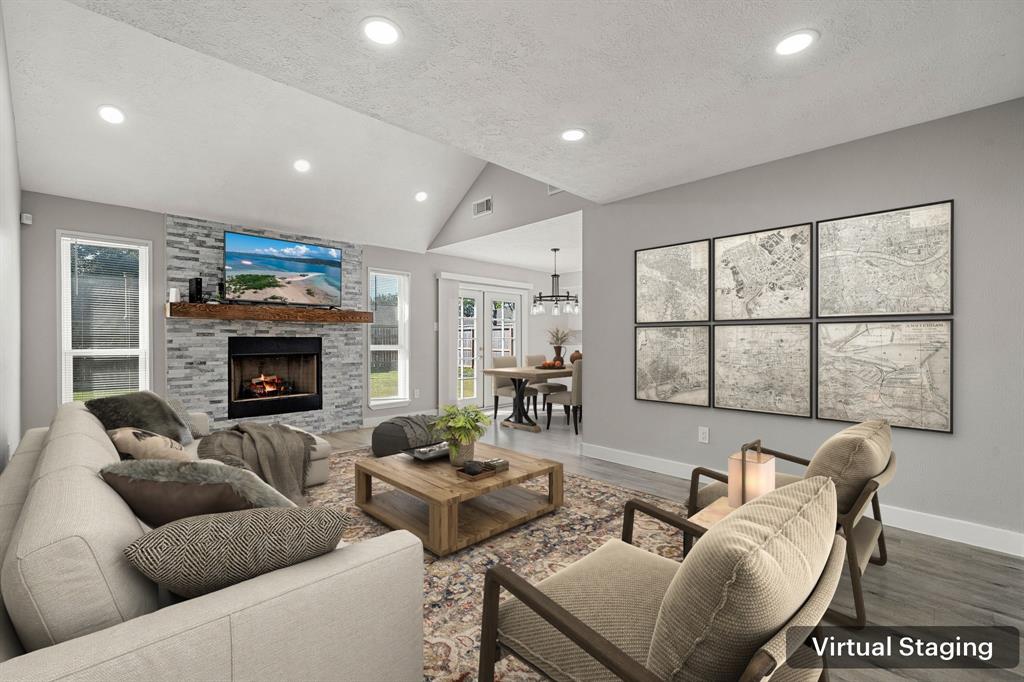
(273, 375)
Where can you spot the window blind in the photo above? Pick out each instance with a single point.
(104, 317)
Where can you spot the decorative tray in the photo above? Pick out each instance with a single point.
(543, 367)
(429, 452)
(486, 473)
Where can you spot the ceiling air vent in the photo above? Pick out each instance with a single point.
(554, 190)
(482, 207)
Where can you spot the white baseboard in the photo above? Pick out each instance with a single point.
(374, 421)
(945, 527)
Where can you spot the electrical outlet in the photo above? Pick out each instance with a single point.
(416, 393)
(703, 434)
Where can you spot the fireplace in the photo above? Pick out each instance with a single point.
(273, 375)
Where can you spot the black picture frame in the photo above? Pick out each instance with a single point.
(952, 262)
(709, 358)
(636, 284)
(810, 367)
(811, 274)
(874, 321)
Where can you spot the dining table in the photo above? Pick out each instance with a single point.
(521, 377)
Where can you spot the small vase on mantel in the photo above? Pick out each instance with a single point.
(558, 355)
(460, 453)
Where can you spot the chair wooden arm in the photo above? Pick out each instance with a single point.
(671, 518)
(585, 637)
(691, 506)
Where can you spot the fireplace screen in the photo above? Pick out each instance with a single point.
(273, 376)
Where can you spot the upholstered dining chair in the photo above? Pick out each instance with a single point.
(503, 386)
(544, 388)
(860, 460)
(622, 613)
(572, 400)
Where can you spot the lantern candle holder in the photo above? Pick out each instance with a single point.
(751, 474)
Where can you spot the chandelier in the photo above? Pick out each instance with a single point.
(560, 303)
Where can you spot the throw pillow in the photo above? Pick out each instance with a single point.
(142, 444)
(160, 491)
(202, 554)
(183, 414)
(143, 410)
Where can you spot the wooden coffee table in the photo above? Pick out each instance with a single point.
(449, 513)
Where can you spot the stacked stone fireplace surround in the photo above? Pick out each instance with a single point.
(197, 350)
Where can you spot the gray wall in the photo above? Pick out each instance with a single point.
(977, 159)
(518, 200)
(10, 282)
(40, 332)
(424, 269)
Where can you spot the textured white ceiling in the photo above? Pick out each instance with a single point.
(671, 91)
(206, 138)
(528, 246)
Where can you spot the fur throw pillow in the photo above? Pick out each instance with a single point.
(141, 410)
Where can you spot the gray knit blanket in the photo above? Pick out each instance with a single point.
(278, 454)
(419, 429)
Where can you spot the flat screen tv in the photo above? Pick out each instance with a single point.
(265, 270)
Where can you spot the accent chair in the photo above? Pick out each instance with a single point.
(504, 388)
(860, 460)
(571, 400)
(622, 613)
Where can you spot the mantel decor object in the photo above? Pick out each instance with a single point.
(751, 474)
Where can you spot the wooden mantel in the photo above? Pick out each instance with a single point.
(268, 313)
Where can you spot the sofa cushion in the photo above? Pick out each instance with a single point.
(201, 554)
(142, 444)
(162, 491)
(65, 574)
(141, 409)
(616, 590)
(851, 458)
(742, 581)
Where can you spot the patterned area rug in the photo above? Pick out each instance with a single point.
(453, 589)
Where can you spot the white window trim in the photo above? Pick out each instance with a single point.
(65, 352)
(404, 364)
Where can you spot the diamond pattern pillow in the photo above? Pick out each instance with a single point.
(202, 554)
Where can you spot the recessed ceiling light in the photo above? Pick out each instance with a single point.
(111, 114)
(420, 196)
(381, 31)
(796, 42)
(301, 165)
(574, 134)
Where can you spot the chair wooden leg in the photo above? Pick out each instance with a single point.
(567, 410)
(489, 630)
(883, 556)
(575, 420)
(534, 407)
(495, 407)
(549, 416)
(580, 410)
(861, 618)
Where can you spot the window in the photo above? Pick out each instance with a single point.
(104, 316)
(389, 337)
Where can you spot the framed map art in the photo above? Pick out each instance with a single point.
(673, 365)
(673, 283)
(764, 275)
(897, 262)
(763, 368)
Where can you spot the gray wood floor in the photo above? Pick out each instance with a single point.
(927, 581)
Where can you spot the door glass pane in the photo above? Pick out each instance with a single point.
(503, 328)
(466, 358)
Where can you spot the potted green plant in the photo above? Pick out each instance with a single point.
(461, 427)
(558, 337)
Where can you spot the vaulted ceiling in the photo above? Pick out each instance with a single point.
(222, 97)
(670, 91)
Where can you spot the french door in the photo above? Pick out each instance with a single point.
(488, 325)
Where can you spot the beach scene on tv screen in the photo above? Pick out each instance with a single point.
(277, 271)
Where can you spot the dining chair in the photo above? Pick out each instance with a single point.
(503, 386)
(572, 400)
(544, 388)
(860, 460)
(622, 613)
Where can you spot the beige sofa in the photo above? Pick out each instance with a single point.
(73, 608)
(318, 458)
